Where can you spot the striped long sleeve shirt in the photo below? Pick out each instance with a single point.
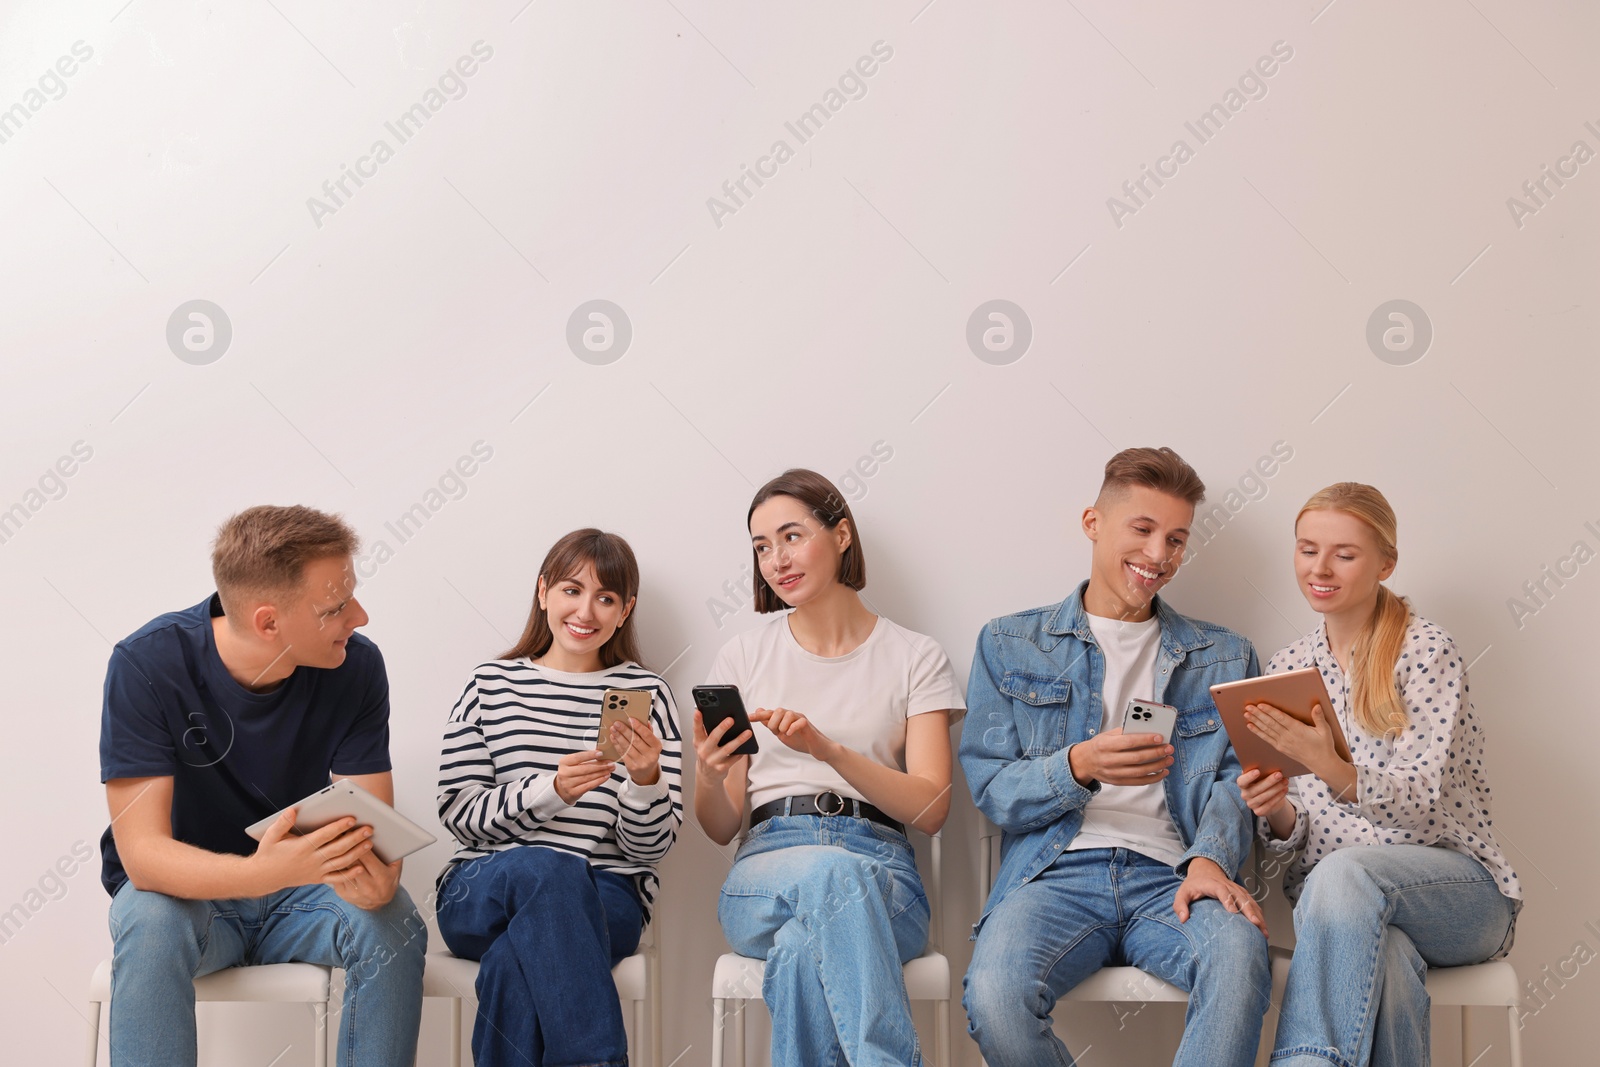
(512, 724)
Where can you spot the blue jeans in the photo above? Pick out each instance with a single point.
(1370, 922)
(1112, 906)
(835, 906)
(546, 929)
(161, 944)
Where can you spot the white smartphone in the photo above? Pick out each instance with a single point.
(393, 835)
(1148, 717)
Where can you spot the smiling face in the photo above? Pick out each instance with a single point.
(797, 554)
(1339, 562)
(315, 627)
(583, 616)
(1139, 536)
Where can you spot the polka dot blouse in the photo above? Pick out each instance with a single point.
(1423, 786)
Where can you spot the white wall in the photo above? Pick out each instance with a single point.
(373, 345)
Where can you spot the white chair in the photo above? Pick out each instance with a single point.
(1482, 985)
(739, 978)
(638, 980)
(271, 983)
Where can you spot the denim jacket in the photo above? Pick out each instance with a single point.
(1034, 692)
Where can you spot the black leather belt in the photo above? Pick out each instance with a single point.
(825, 804)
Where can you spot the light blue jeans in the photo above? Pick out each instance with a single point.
(1370, 922)
(161, 944)
(835, 906)
(1101, 907)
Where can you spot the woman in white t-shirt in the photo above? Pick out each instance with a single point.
(851, 714)
(1400, 870)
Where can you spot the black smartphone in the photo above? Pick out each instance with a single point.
(719, 702)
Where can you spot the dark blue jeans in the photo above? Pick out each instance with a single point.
(546, 929)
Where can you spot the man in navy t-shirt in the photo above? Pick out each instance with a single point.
(215, 717)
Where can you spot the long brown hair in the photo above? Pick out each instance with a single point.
(1375, 699)
(823, 500)
(618, 571)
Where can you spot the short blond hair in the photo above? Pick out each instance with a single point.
(1160, 469)
(263, 551)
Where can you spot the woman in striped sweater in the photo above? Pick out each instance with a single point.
(554, 879)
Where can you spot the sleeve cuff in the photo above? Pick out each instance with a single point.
(544, 802)
(1297, 836)
(640, 797)
(377, 765)
(137, 770)
(1063, 782)
(1368, 784)
(1207, 847)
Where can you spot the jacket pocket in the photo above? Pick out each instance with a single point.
(1200, 741)
(1040, 704)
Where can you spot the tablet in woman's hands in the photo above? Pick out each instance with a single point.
(1292, 692)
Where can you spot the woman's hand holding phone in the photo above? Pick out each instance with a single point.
(714, 752)
(579, 772)
(640, 748)
(797, 732)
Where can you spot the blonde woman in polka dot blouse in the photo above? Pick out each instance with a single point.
(1399, 869)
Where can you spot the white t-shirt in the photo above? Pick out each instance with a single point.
(861, 699)
(1128, 816)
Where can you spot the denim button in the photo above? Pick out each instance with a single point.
(1091, 733)
(1033, 696)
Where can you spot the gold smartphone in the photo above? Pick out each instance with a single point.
(615, 706)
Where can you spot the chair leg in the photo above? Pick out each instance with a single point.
(1515, 1026)
(1467, 1043)
(719, 1019)
(319, 1049)
(738, 1029)
(455, 1032)
(653, 975)
(941, 1033)
(640, 1035)
(95, 1008)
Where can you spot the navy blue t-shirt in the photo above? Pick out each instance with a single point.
(235, 757)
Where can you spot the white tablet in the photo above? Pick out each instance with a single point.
(393, 835)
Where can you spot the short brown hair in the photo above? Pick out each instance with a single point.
(614, 564)
(1160, 469)
(825, 503)
(263, 550)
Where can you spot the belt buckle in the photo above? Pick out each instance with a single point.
(817, 800)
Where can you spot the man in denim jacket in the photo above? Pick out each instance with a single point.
(1118, 847)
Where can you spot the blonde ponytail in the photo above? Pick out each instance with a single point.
(1375, 697)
